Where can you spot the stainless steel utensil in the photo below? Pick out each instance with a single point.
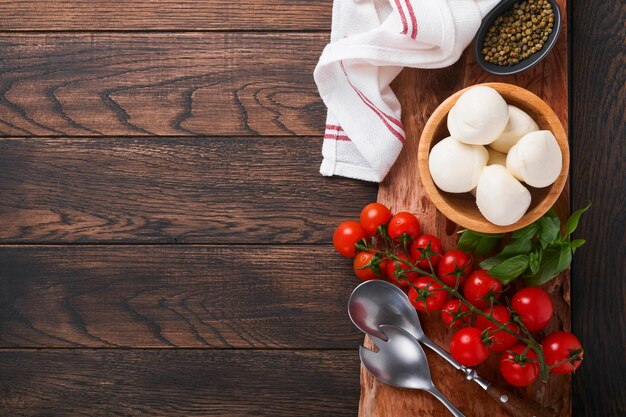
(376, 303)
(401, 362)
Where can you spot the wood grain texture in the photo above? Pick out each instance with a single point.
(202, 190)
(598, 154)
(420, 92)
(175, 296)
(154, 84)
(178, 383)
(106, 15)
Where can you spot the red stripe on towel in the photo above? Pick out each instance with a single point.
(413, 18)
(405, 26)
(381, 115)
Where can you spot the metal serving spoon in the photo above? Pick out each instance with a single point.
(376, 303)
(401, 362)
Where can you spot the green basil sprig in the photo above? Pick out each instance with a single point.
(538, 252)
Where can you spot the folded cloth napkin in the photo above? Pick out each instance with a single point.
(371, 40)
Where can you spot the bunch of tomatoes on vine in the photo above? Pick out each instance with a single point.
(486, 314)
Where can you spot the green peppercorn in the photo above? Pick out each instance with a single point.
(518, 33)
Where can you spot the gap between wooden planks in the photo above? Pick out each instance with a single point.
(420, 92)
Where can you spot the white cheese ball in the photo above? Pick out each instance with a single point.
(501, 198)
(536, 159)
(478, 117)
(518, 125)
(456, 167)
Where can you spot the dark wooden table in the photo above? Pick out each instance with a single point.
(165, 233)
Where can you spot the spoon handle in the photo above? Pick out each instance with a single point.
(515, 405)
(455, 411)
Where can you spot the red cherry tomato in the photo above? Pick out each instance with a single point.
(500, 339)
(534, 307)
(403, 225)
(453, 264)
(455, 313)
(345, 237)
(427, 295)
(398, 273)
(479, 286)
(373, 216)
(519, 368)
(468, 348)
(558, 347)
(422, 242)
(368, 273)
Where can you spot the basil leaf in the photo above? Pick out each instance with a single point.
(576, 243)
(486, 245)
(572, 222)
(527, 232)
(489, 263)
(510, 269)
(516, 247)
(555, 259)
(549, 228)
(534, 261)
(480, 243)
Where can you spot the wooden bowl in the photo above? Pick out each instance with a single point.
(461, 208)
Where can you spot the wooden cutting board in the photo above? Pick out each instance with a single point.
(420, 92)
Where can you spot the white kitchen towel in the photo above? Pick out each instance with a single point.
(371, 41)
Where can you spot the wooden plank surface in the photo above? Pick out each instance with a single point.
(420, 92)
(107, 15)
(178, 383)
(203, 190)
(598, 132)
(147, 84)
(175, 296)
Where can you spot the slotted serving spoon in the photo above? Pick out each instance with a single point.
(376, 303)
(401, 362)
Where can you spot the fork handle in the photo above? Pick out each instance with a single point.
(455, 411)
(515, 405)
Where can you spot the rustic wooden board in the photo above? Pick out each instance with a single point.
(163, 296)
(156, 84)
(193, 190)
(421, 92)
(189, 15)
(168, 383)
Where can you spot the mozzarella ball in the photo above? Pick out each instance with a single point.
(456, 167)
(501, 198)
(536, 159)
(518, 125)
(478, 117)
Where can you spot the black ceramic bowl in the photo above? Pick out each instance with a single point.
(532, 60)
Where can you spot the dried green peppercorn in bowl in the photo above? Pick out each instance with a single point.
(517, 35)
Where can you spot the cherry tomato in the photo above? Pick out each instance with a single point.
(422, 242)
(365, 274)
(518, 368)
(534, 307)
(403, 225)
(468, 348)
(454, 264)
(558, 347)
(345, 237)
(455, 313)
(398, 273)
(374, 215)
(429, 295)
(479, 286)
(500, 339)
